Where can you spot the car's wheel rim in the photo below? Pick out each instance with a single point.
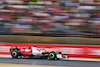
(51, 55)
(14, 54)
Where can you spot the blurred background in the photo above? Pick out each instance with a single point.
(50, 21)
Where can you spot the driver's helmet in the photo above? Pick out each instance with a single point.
(34, 46)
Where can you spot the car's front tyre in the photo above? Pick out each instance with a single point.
(52, 55)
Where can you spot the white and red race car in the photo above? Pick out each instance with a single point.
(33, 52)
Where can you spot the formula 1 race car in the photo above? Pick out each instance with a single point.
(33, 52)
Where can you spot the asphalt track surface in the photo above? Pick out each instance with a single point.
(65, 63)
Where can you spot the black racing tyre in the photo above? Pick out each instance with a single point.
(14, 54)
(52, 55)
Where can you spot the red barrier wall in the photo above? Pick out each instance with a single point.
(71, 50)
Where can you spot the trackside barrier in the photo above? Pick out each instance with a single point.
(71, 50)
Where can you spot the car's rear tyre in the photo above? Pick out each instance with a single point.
(52, 55)
(14, 54)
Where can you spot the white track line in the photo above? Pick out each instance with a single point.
(5, 56)
(81, 59)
